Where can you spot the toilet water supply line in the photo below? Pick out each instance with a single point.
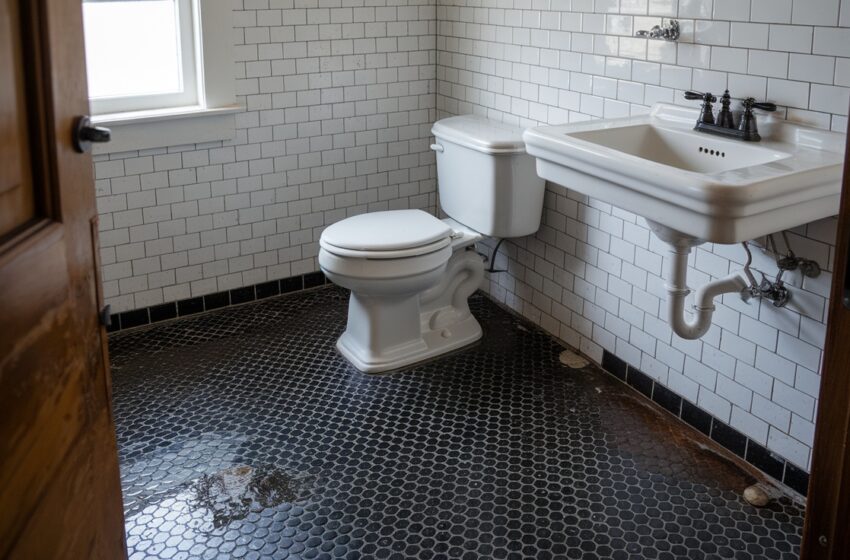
(703, 309)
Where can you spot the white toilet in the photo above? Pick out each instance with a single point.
(409, 273)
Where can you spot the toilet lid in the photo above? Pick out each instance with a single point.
(481, 134)
(390, 230)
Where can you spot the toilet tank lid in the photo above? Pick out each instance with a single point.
(479, 133)
(386, 231)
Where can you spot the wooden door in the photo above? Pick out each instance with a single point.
(826, 534)
(60, 494)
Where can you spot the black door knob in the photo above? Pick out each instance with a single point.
(85, 133)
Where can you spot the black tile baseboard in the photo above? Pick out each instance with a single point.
(614, 365)
(134, 318)
(725, 435)
(667, 399)
(162, 312)
(729, 437)
(218, 300)
(640, 381)
(767, 461)
(696, 417)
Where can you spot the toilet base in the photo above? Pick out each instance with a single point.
(433, 343)
(390, 331)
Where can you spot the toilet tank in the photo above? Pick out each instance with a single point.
(485, 179)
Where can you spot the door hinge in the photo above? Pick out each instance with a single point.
(106, 316)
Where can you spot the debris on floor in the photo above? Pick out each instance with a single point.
(572, 360)
(756, 496)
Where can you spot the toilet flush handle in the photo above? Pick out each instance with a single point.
(437, 147)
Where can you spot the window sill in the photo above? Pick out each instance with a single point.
(166, 127)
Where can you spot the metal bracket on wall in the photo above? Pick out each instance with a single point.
(669, 32)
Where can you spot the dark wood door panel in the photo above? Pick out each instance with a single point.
(17, 199)
(72, 504)
(60, 494)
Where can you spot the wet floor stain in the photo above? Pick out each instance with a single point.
(231, 494)
(641, 430)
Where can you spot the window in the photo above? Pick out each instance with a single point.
(160, 72)
(140, 54)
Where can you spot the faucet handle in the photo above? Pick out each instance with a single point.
(765, 106)
(707, 115)
(750, 103)
(694, 95)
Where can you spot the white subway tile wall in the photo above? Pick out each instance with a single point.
(340, 96)
(340, 99)
(592, 274)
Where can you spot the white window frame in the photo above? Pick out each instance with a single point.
(210, 117)
(190, 48)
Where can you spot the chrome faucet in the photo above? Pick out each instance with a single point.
(725, 125)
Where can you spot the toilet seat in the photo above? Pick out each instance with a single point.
(388, 269)
(391, 234)
(393, 254)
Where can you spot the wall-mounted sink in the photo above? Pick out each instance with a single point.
(692, 187)
(710, 188)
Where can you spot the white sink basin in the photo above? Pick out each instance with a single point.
(708, 187)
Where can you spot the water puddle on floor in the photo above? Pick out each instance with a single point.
(231, 494)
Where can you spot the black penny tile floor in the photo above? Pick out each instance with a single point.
(243, 434)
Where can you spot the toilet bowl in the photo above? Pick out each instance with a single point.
(409, 290)
(411, 274)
